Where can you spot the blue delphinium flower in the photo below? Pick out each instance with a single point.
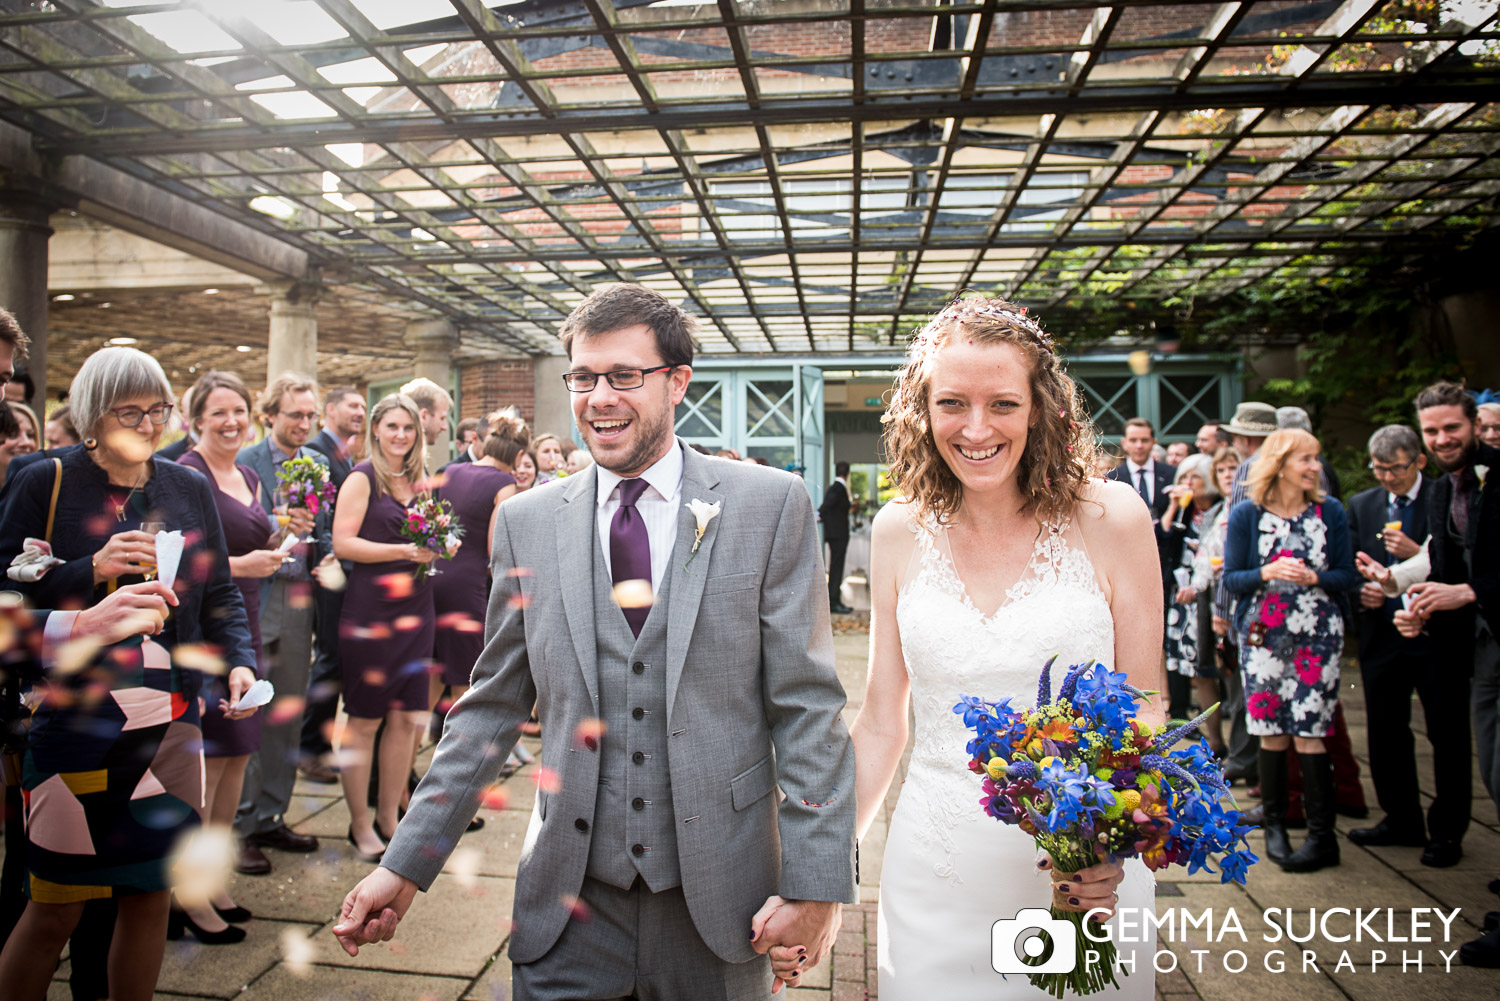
(1232, 866)
(1070, 683)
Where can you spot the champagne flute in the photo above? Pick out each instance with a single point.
(281, 505)
(148, 570)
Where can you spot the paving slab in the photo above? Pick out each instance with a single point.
(331, 983)
(494, 983)
(188, 967)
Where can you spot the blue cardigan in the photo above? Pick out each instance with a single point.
(1242, 560)
(210, 608)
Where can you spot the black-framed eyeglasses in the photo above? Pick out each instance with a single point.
(1395, 469)
(624, 378)
(132, 416)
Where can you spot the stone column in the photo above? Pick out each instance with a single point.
(435, 341)
(292, 345)
(23, 278)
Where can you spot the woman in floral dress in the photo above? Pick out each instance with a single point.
(1289, 560)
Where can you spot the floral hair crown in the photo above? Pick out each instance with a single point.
(962, 311)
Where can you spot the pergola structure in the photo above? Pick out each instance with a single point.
(808, 176)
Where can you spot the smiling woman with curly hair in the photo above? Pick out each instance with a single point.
(1005, 552)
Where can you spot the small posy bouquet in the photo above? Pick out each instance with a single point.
(431, 524)
(306, 484)
(1087, 780)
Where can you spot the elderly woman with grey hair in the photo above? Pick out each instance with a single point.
(1193, 492)
(113, 769)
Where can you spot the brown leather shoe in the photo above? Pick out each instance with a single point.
(252, 861)
(320, 773)
(285, 839)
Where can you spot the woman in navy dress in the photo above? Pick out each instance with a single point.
(461, 589)
(1289, 559)
(386, 628)
(220, 418)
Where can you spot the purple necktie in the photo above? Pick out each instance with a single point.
(630, 547)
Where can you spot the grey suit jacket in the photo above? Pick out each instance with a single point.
(753, 703)
(258, 457)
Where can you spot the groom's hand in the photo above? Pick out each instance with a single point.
(372, 908)
(810, 924)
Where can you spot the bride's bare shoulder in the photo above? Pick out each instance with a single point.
(1108, 504)
(892, 525)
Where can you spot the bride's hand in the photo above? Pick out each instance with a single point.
(788, 963)
(1090, 889)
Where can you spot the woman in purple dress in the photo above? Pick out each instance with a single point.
(461, 589)
(386, 629)
(220, 418)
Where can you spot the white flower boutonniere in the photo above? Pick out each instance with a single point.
(704, 512)
(1479, 473)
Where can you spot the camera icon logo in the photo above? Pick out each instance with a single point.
(1033, 942)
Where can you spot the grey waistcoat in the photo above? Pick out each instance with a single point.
(633, 820)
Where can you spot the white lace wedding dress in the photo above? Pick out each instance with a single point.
(950, 871)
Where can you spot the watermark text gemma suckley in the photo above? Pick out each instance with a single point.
(1308, 939)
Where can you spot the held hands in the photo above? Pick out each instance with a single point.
(1409, 624)
(133, 610)
(797, 934)
(1091, 889)
(126, 553)
(1289, 568)
(372, 909)
(1399, 544)
(1429, 596)
(1370, 595)
(240, 680)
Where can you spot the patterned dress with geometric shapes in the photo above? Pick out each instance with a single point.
(1291, 675)
(386, 629)
(949, 871)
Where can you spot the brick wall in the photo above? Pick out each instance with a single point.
(491, 385)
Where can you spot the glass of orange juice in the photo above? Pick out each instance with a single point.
(1185, 499)
(148, 570)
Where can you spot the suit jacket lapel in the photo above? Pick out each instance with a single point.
(698, 481)
(577, 535)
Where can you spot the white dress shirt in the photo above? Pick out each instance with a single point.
(659, 508)
(1135, 477)
(1410, 495)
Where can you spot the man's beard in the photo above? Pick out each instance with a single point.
(1465, 458)
(648, 443)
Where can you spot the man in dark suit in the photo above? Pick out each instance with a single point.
(1459, 603)
(834, 512)
(1393, 666)
(343, 424)
(1151, 479)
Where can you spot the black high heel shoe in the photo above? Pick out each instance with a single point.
(234, 915)
(361, 854)
(178, 922)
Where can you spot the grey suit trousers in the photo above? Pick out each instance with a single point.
(286, 621)
(636, 944)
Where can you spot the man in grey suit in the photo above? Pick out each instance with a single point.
(670, 726)
(289, 409)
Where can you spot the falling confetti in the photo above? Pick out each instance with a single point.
(396, 585)
(577, 909)
(200, 864)
(408, 623)
(464, 865)
(633, 594)
(297, 952)
(547, 780)
(494, 798)
(519, 572)
(199, 657)
(285, 709)
(589, 732)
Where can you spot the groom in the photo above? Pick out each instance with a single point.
(670, 726)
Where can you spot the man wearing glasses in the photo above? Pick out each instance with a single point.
(1388, 523)
(289, 409)
(670, 611)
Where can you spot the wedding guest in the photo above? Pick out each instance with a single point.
(468, 440)
(1104, 463)
(1208, 565)
(1489, 424)
(461, 590)
(386, 632)
(1181, 532)
(1387, 523)
(1296, 417)
(20, 387)
(289, 410)
(109, 839)
(578, 460)
(220, 420)
(1178, 451)
(60, 432)
(342, 443)
(1288, 560)
(433, 405)
(1457, 603)
(549, 458)
(1210, 439)
(834, 515)
(524, 470)
(23, 442)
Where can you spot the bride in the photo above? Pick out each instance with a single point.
(1003, 554)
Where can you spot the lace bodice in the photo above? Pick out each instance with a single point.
(953, 649)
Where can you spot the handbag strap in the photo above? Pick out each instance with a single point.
(52, 505)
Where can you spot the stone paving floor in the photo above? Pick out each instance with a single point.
(451, 945)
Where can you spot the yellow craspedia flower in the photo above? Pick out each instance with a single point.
(1130, 799)
(996, 768)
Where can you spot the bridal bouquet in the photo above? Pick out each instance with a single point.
(1087, 780)
(306, 484)
(431, 524)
